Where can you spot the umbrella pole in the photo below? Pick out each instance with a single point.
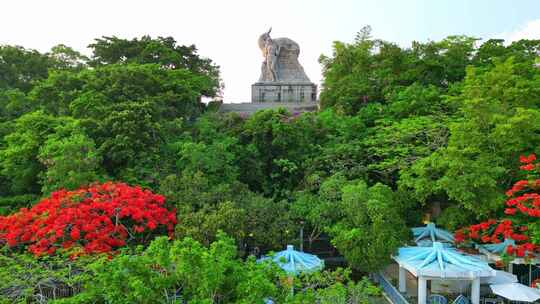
(291, 282)
(302, 238)
(530, 273)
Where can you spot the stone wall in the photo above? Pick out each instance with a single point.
(249, 108)
(279, 92)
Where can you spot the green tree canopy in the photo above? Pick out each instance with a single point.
(500, 119)
(20, 68)
(370, 227)
(162, 51)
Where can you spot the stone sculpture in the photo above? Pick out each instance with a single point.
(280, 60)
(282, 77)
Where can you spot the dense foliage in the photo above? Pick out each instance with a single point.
(432, 131)
(169, 272)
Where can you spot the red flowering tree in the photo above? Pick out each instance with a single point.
(94, 219)
(522, 216)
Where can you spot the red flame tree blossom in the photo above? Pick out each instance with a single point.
(523, 212)
(94, 219)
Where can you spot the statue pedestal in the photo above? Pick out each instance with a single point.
(283, 92)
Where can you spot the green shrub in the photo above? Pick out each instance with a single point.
(11, 204)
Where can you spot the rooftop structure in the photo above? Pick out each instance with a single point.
(438, 261)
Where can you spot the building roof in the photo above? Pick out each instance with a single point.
(439, 261)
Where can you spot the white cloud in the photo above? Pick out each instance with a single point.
(530, 30)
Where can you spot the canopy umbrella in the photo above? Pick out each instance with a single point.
(501, 277)
(496, 248)
(426, 236)
(429, 243)
(516, 292)
(295, 262)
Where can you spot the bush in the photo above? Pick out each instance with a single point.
(26, 279)
(181, 271)
(334, 287)
(12, 203)
(453, 217)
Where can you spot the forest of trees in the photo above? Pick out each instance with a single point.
(431, 131)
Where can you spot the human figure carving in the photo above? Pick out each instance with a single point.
(272, 54)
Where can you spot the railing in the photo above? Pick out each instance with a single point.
(393, 294)
(46, 291)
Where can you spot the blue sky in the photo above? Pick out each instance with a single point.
(226, 31)
(404, 21)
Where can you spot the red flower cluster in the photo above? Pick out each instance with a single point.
(527, 162)
(94, 219)
(528, 200)
(492, 231)
(523, 200)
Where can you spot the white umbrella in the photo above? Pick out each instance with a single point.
(516, 292)
(501, 277)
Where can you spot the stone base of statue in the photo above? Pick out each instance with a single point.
(248, 108)
(283, 92)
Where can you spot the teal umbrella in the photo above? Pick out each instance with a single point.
(497, 248)
(295, 262)
(426, 236)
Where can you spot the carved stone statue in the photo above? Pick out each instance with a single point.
(282, 77)
(280, 60)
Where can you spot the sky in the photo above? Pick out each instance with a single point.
(227, 31)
